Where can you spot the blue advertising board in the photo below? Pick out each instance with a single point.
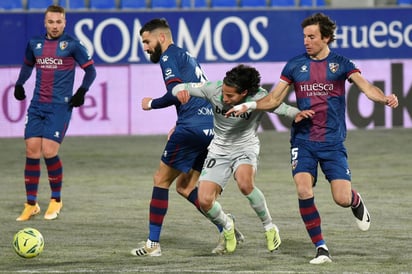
(220, 36)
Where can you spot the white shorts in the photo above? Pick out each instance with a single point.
(219, 168)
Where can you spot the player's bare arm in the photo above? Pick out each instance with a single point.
(373, 92)
(269, 102)
(181, 93)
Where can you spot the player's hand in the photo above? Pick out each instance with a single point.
(19, 92)
(146, 103)
(392, 101)
(183, 96)
(77, 99)
(240, 109)
(304, 114)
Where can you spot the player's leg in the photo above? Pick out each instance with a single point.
(311, 217)
(244, 176)
(208, 192)
(54, 166)
(57, 119)
(159, 203)
(32, 136)
(304, 164)
(31, 178)
(338, 173)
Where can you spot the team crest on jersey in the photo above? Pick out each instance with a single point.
(63, 45)
(164, 58)
(333, 67)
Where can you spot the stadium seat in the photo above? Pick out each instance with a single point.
(11, 5)
(309, 3)
(282, 3)
(253, 3)
(194, 4)
(39, 4)
(164, 4)
(103, 4)
(404, 2)
(223, 3)
(73, 4)
(133, 4)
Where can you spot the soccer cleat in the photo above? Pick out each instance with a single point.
(239, 236)
(28, 212)
(363, 219)
(322, 256)
(150, 248)
(221, 245)
(230, 238)
(53, 210)
(273, 239)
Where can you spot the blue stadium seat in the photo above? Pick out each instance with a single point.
(39, 4)
(73, 4)
(223, 3)
(404, 2)
(194, 4)
(11, 5)
(103, 4)
(309, 3)
(133, 4)
(253, 3)
(282, 3)
(164, 4)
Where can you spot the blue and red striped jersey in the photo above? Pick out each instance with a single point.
(320, 85)
(55, 61)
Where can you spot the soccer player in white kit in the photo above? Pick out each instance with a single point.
(235, 147)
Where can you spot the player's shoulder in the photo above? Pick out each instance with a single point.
(299, 58)
(68, 37)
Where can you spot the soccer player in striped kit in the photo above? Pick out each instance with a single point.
(54, 55)
(234, 151)
(318, 78)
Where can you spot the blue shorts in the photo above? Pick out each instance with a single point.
(331, 157)
(186, 148)
(49, 121)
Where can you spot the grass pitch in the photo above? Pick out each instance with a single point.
(106, 192)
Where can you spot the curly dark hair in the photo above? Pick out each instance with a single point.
(243, 78)
(327, 26)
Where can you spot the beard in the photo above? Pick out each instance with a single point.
(155, 55)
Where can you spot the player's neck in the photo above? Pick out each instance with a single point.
(321, 55)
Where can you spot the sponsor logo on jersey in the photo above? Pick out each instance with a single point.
(205, 111)
(38, 46)
(165, 58)
(209, 132)
(245, 115)
(49, 61)
(304, 68)
(316, 89)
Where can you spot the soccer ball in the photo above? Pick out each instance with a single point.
(28, 242)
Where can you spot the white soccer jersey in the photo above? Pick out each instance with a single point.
(231, 133)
